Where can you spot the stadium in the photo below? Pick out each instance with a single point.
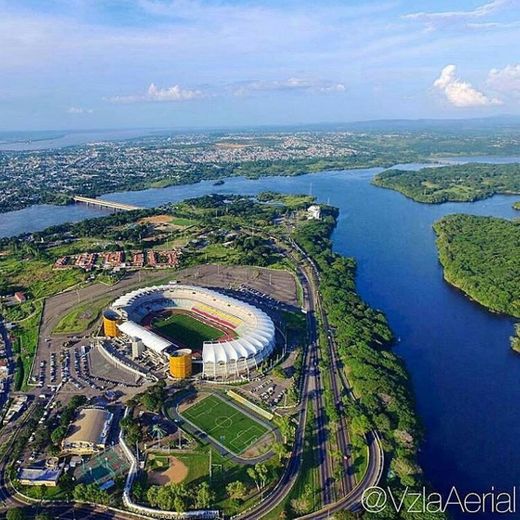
(227, 337)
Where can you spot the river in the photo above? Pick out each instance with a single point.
(465, 377)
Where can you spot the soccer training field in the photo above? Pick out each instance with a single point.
(187, 330)
(225, 423)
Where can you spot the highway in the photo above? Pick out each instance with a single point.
(353, 492)
(317, 399)
(338, 382)
(310, 388)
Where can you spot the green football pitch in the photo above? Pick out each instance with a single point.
(187, 330)
(225, 423)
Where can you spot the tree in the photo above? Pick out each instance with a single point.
(303, 503)
(131, 429)
(179, 505)
(40, 492)
(66, 482)
(236, 490)
(15, 514)
(262, 472)
(204, 496)
(139, 491)
(280, 450)
(286, 428)
(43, 516)
(344, 515)
(154, 397)
(54, 450)
(259, 473)
(251, 471)
(171, 497)
(152, 495)
(58, 434)
(91, 493)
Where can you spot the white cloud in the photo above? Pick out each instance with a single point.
(506, 80)
(443, 18)
(493, 25)
(175, 93)
(79, 110)
(156, 94)
(288, 85)
(461, 93)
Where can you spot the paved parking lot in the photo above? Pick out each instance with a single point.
(278, 284)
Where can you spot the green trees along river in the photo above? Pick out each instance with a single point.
(378, 376)
(457, 183)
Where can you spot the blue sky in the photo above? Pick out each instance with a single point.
(180, 63)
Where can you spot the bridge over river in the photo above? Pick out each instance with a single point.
(118, 206)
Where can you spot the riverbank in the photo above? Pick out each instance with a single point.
(194, 174)
(380, 382)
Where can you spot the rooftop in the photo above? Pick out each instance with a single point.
(91, 426)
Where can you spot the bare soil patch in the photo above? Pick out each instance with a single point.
(156, 219)
(191, 400)
(175, 474)
(260, 447)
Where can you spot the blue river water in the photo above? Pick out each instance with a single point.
(465, 377)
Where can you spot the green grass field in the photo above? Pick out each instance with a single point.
(225, 423)
(187, 330)
(81, 317)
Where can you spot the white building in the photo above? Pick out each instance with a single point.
(314, 212)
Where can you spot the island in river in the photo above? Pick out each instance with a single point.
(455, 183)
(481, 256)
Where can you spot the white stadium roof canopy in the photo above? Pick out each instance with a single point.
(256, 331)
(149, 339)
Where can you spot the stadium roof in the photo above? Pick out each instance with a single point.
(150, 339)
(251, 342)
(255, 329)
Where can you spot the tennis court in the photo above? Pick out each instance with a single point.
(100, 468)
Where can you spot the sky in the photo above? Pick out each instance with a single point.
(83, 64)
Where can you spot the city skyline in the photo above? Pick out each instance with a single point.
(184, 63)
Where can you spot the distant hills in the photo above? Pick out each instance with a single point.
(504, 123)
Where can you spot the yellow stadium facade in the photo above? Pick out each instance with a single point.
(181, 363)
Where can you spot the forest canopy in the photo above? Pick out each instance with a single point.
(481, 256)
(456, 183)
